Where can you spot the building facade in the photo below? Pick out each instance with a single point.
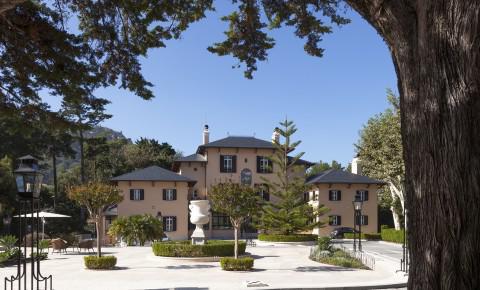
(336, 190)
(166, 194)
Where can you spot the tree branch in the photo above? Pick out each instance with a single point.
(6, 5)
(394, 20)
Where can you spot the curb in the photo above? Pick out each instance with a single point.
(363, 287)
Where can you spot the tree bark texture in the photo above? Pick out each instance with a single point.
(99, 224)
(435, 46)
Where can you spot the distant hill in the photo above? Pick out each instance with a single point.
(66, 163)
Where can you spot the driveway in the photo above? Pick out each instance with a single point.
(390, 251)
(277, 266)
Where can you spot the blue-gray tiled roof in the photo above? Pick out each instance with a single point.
(152, 173)
(340, 176)
(237, 142)
(192, 158)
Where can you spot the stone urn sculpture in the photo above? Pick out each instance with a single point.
(199, 216)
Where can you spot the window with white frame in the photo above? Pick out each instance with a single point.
(136, 194)
(169, 223)
(227, 163)
(264, 165)
(170, 194)
(362, 195)
(363, 220)
(335, 220)
(334, 195)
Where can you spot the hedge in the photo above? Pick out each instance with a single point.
(392, 235)
(104, 262)
(213, 248)
(365, 236)
(287, 238)
(240, 264)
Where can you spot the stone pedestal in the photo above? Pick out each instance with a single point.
(199, 216)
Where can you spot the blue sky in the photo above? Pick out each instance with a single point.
(329, 98)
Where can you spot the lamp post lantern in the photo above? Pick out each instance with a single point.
(357, 219)
(28, 179)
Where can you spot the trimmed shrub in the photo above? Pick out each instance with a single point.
(100, 263)
(185, 249)
(365, 236)
(240, 264)
(373, 236)
(392, 235)
(41, 256)
(342, 259)
(287, 238)
(325, 244)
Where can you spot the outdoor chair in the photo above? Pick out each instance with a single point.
(59, 245)
(86, 245)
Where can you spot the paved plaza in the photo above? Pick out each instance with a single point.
(276, 266)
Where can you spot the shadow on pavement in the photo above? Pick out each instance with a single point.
(186, 267)
(322, 268)
(179, 288)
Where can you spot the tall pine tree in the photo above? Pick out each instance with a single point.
(288, 213)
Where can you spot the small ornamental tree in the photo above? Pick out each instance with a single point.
(96, 197)
(290, 213)
(235, 200)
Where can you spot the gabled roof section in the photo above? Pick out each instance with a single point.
(192, 158)
(152, 173)
(341, 177)
(237, 142)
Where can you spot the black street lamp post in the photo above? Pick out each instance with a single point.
(28, 179)
(357, 219)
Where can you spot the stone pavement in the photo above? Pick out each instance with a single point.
(277, 266)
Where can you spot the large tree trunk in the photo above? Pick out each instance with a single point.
(435, 47)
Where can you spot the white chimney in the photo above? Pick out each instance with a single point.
(276, 135)
(356, 166)
(206, 135)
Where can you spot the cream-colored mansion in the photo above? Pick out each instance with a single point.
(166, 194)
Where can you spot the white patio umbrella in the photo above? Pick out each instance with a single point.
(43, 215)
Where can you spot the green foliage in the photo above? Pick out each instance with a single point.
(380, 149)
(392, 235)
(323, 166)
(96, 197)
(213, 248)
(100, 263)
(325, 244)
(289, 214)
(41, 256)
(43, 245)
(7, 184)
(235, 200)
(139, 228)
(341, 259)
(365, 236)
(241, 264)
(287, 238)
(8, 241)
(247, 40)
